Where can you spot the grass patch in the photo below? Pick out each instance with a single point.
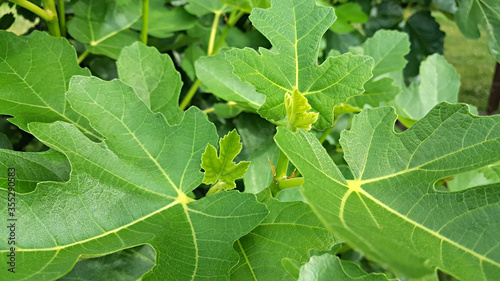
(472, 60)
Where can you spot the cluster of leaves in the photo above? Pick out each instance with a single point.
(293, 107)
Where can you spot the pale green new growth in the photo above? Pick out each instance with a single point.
(221, 170)
(296, 111)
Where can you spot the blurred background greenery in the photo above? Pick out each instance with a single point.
(471, 59)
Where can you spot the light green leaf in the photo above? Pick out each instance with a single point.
(221, 170)
(153, 77)
(297, 112)
(203, 7)
(32, 168)
(484, 13)
(103, 26)
(216, 74)
(390, 211)
(125, 265)
(328, 267)
(129, 190)
(483, 176)
(28, 93)
(295, 35)
(347, 14)
(163, 22)
(289, 231)
(439, 82)
(247, 5)
(388, 48)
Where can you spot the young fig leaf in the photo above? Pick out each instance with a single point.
(221, 170)
(296, 112)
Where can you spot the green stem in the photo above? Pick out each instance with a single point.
(233, 19)
(83, 56)
(213, 32)
(47, 16)
(211, 50)
(281, 168)
(145, 21)
(280, 174)
(289, 183)
(208, 110)
(187, 99)
(53, 24)
(325, 135)
(62, 18)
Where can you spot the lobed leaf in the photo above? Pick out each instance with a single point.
(28, 93)
(295, 29)
(390, 211)
(221, 170)
(129, 190)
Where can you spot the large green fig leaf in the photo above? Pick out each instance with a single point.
(484, 13)
(295, 29)
(289, 231)
(153, 77)
(391, 211)
(103, 26)
(28, 92)
(128, 190)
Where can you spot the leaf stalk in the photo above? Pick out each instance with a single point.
(62, 17)
(290, 183)
(212, 50)
(46, 15)
(53, 24)
(145, 21)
